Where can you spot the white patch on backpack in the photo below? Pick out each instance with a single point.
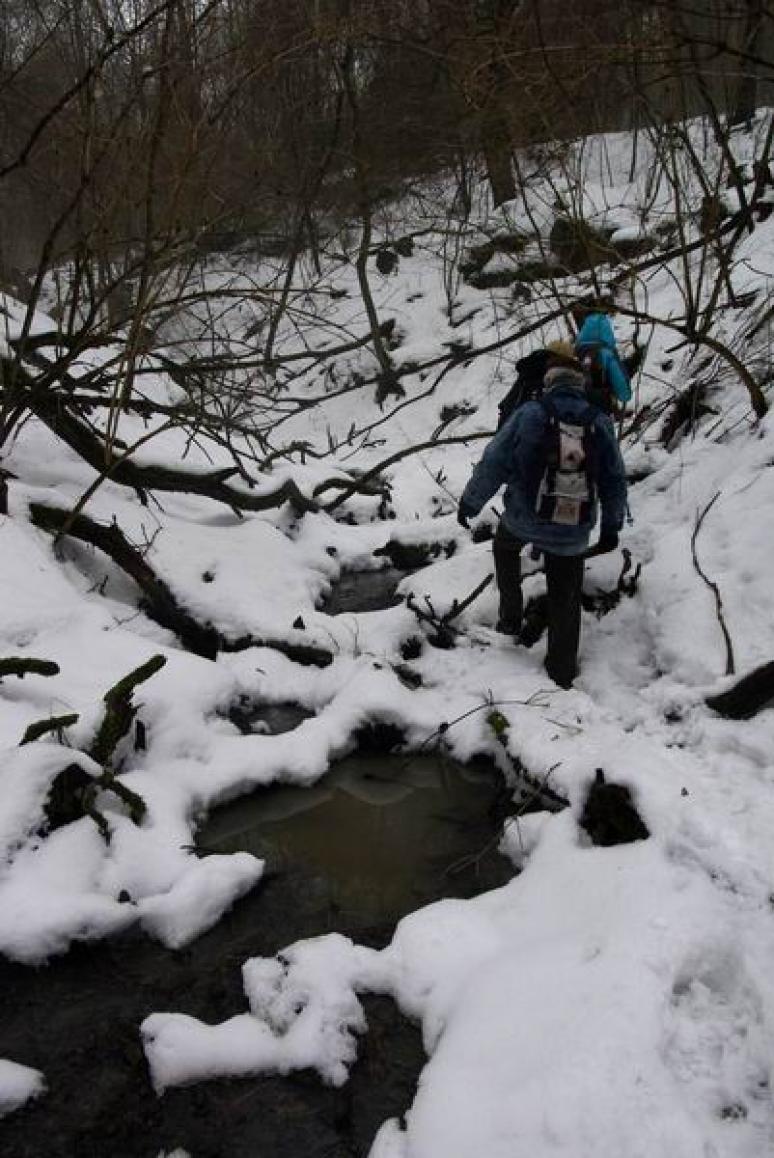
(564, 496)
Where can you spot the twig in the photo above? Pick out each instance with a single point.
(476, 857)
(442, 624)
(730, 665)
(457, 608)
(536, 700)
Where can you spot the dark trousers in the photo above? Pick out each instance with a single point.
(564, 580)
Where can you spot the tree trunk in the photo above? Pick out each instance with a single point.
(746, 96)
(497, 154)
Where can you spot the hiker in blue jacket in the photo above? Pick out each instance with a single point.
(608, 381)
(517, 457)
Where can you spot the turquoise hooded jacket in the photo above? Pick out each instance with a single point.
(597, 331)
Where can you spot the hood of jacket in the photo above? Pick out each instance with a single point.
(563, 378)
(596, 331)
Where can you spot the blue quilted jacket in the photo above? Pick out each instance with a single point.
(516, 458)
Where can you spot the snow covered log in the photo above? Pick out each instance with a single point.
(159, 602)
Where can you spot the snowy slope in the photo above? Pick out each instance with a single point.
(606, 1002)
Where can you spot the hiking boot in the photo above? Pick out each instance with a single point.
(531, 633)
(535, 620)
(508, 627)
(563, 679)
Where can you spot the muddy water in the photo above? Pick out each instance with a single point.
(381, 835)
(373, 841)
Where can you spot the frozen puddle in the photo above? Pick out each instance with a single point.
(379, 836)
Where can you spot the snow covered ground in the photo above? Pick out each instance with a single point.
(607, 1001)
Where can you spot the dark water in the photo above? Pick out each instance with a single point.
(252, 717)
(363, 591)
(376, 839)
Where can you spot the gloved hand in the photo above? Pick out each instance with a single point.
(464, 514)
(608, 541)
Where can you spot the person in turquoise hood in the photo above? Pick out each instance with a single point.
(609, 387)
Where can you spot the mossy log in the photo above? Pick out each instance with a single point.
(25, 665)
(120, 710)
(43, 727)
(73, 793)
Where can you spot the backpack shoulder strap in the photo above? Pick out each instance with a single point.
(548, 406)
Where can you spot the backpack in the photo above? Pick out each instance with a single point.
(598, 386)
(528, 386)
(566, 493)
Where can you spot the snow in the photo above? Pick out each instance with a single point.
(199, 897)
(303, 1015)
(605, 1002)
(18, 1084)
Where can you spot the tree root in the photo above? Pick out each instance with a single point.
(304, 653)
